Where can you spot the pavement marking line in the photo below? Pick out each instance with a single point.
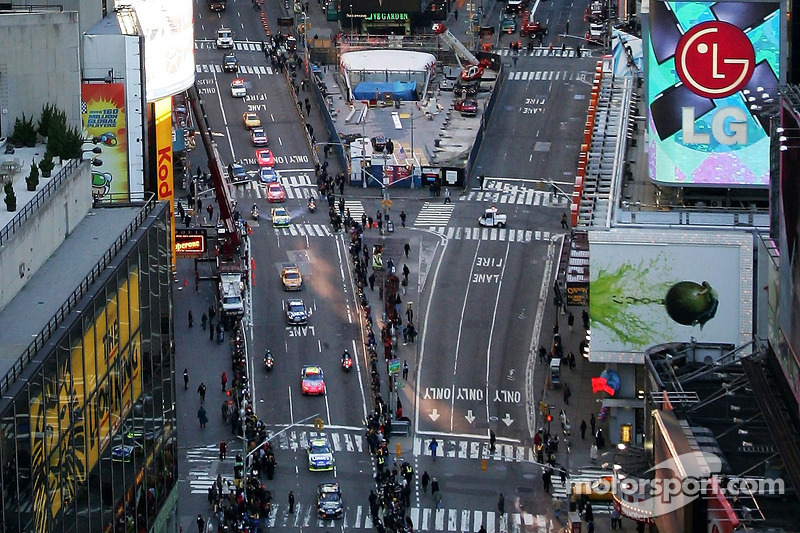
(438, 523)
(414, 512)
(489, 522)
(465, 514)
(478, 521)
(426, 519)
(503, 523)
(368, 521)
(452, 520)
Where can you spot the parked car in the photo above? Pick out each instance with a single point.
(508, 24)
(468, 107)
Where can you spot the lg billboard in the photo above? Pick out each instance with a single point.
(713, 71)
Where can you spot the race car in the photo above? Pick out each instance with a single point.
(320, 454)
(312, 380)
(251, 120)
(329, 501)
(291, 278)
(280, 217)
(468, 107)
(267, 175)
(258, 137)
(122, 453)
(238, 88)
(276, 193)
(296, 314)
(264, 157)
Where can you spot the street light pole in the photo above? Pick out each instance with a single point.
(352, 30)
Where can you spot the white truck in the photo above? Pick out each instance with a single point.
(231, 290)
(224, 38)
(492, 219)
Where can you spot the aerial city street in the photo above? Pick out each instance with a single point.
(470, 266)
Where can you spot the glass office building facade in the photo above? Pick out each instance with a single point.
(87, 435)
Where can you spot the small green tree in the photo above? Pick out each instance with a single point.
(33, 177)
(73, 142)
(57, 133)
(46, 165)
(45, 119)
(11, 197)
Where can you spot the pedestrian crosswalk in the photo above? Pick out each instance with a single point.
(239, 46)
(434, 214)
(296, 186)
(542, 75)
(423, 519)
(491, 234)
(356, 209)
(541, 51)
(204, 465)
(504, 192)
(584, 475)
(305, 230)
(261, 70)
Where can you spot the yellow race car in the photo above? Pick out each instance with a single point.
(251, 120)
(291, 278)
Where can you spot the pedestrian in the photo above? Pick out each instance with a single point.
(542, 354)
(585, 317)
(455, 14)
(435, 491)
(482, 529)
(202, 417)
(223, 449)
(363, 220)
(590, 526)
(406, 249)
(588, 513)
(481, 179)
(616, 520)
(371, 280)
(291, 502)
(185, 378)
(592, 423)
(403, 218)
(191, 319)
(501, 505)
(308, 109)
(373, 505)
(557, 507)
(571, 360)
(210, 211)
(447, 193)
(567, 393)
(425, 480)
(562, 473)
(201, 390)
(571, 321)
(409, 310)
(547, 477)
(492, 441)
(211, 330)
(211, 312)
(201, 524)
(405, 369)
(204, 321)
(593, 453)
(583, 429)
(224, 381)
(433, 446)
(406, 272)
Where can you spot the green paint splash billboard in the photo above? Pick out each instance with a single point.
(651, 287)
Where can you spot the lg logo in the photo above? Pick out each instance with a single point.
(715, 60)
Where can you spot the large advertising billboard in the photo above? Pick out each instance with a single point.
(712, 69)
(103, 112)
(96, 383)
(653, 287)
(168, 28)
(162, 110)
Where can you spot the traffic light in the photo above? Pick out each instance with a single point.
(549, 418)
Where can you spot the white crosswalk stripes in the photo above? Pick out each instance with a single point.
(540, 52)
(305, 230)
(542, 75)
(204, 464)
(297, 187)
(240, 46)
(356, 209)
(243, 69)
(423, 519)
(505, 192)
(491, 234)
(434, 214)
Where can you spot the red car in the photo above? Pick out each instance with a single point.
(276, 193)
(468, 107)
(264, 158)
(312, 380)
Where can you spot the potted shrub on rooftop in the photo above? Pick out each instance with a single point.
(11, 198)
(27, 131)
(46, 165)
(16, 135)
(33, 178)
(45, 119)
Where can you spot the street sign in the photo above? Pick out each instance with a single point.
(394, 366)
(398, 384)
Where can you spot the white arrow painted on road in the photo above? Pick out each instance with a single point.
(508, 420)
(470, 417)
(434, 415)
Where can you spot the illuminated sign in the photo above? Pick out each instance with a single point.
(386, 17)
(190, 243)
(103, 114)
(166, 186)
(712, 67)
